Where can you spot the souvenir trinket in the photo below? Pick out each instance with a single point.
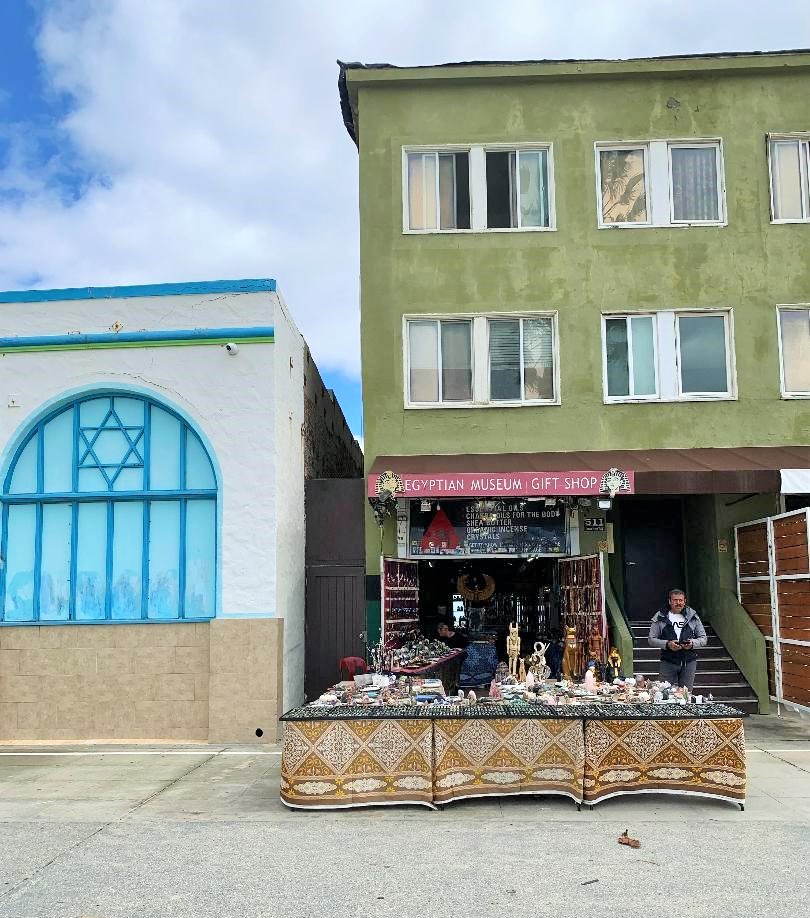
(513, 649)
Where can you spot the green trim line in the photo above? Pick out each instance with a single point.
(744, 642)
(622, 638)
(171, 338)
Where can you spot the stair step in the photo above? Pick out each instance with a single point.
(723, 677)
(653, 656)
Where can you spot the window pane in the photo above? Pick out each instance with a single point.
(533, 187)
(164, 451)
(423, 359)
(200, 558)
(499, 191)
(91, 561)
(703, 353)
(416, 191)
(616, 355)
(694, 183)
(58, 456)
(504, 359)
(538, 359)
(199, 473)
(462, 190)
(24, 479)
(456, 362)
(624, 198)
(796, 349)
(19, 604)
(164, 559)
(93, 411)
(643, 355)
(127, 569)
(54, 581)
(786, 179)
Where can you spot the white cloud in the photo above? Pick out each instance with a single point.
(213, 137)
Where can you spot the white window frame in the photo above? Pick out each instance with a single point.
(521, 148)
(658, 181)
(478, 186)
(803, 139)
(631, 397)
(667, 351)
(791, 307)
(480, 360)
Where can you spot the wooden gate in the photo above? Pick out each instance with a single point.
(773, 585)
(335, 578)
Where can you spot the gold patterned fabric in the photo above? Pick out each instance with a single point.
(686, 756)
(475, 758)
(339, 763)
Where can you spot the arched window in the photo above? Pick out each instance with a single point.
(109, 513)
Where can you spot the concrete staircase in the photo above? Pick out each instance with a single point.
(716, 672)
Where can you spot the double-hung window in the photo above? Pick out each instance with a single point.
(660, 183)
(438, 190)
(794, 346)
(479, 187)
(789, 157)
(668, 356)
(481, 360)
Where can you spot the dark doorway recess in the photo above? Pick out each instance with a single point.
(652, 536)
(336, 583)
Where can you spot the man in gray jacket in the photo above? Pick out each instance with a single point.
(677, 631)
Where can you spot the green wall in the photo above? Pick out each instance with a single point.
(579, 270)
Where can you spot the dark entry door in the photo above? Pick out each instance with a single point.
(652, 536)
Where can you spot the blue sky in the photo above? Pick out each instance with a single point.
(148, 141)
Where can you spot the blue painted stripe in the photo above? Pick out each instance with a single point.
(106, 293)
(245, 333)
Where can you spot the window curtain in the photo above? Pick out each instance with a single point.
(422, 190)
(504, 359)
(538, 359)
(796, 349)
(423, 360)
(533, 165)
(456, 361)
(694, 183)
(787, 180)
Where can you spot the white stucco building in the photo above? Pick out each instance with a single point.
(155, 442)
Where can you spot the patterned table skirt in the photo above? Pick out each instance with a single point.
(705, 757)
(330, 764)
(479, 758)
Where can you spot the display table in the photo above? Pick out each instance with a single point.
(509, 753)
(360, 755)
(694, 749)
(355, 756)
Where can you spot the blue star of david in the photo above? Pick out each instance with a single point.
(130, 437)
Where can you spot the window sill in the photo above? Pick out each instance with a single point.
(789, 221)
(671, 401)
(795, 396)
(480, 232)
(610, 226)
(445, 405)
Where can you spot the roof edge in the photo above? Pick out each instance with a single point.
(267, 284)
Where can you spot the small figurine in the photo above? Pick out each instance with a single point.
(615, 664)
(495, 692)
(472, 697)
(570, 653)
(537, 662)
(522, 671)
(513, 649)
(530, 680)
(595, 650)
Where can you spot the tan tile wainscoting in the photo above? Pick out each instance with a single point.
(217, 681)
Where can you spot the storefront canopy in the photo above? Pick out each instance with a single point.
(747, 470)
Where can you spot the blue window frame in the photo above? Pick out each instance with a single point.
(109, 514)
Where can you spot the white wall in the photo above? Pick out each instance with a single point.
(290, 531)
(230, 399)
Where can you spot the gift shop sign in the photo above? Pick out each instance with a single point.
(501, 484)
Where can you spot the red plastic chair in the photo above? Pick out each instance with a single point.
(353, 665)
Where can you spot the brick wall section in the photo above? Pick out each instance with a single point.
(330, 449)
(148, 681)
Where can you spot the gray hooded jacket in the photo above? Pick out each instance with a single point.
(662, 630)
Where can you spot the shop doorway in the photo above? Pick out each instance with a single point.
(652, 540)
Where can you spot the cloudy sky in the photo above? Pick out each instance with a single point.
(149, 141)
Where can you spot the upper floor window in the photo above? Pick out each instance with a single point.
(660, 183)
(438, 190)
(667, 356)
(481, 360)
(789, 157)
(109, 513)
(480, 187)
(794, 345)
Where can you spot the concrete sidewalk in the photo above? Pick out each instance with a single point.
(199, 830)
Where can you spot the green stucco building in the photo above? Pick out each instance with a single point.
(585, 265)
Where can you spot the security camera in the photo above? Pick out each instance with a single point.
(231, 349)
